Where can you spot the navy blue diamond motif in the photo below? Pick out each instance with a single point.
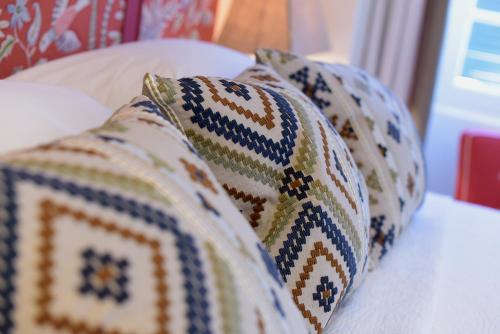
(325, 294)
(104, 276)
(295, 183)
(236, 88)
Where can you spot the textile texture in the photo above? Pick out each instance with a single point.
(124, 229)
(377, 128)
(287, 170)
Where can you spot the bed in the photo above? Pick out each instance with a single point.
(441, 277)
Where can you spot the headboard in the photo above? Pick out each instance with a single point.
(36, 31)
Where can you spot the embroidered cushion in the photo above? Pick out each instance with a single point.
(289, 173)
(378, 130)
(124, 229)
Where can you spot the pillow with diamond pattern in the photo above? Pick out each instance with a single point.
(287, 170)
(377, 128)
(124, 229)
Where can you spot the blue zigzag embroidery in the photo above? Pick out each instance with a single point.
(198, 310)
(152, 108)
(279, 152)
(311, 217)
(311, 90)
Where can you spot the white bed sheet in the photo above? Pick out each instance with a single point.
(113, 76)
(443, 276)
(34, 113)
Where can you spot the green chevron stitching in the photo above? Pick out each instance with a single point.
(97, 176)
(287, 205)
(226, 292)
(373, 182)
(322, 193)
(281, 218)
(110, 126)
(162, 92)
(167, 90)
(235, 161)
(307, 152)
(373, 200)
(159, 163)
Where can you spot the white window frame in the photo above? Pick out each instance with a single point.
(452, 89)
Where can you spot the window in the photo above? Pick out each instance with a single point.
(481, 60)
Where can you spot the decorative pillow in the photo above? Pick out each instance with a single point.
(34, 113)
(378, 130)
(289, 173)
(124, 229)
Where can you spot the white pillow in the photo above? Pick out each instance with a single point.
(34, 113)
(114, 75)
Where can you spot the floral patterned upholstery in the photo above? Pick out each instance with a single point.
(33, 32)
(177, 18)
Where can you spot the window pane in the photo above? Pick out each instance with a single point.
(482, 59)
(493, 5)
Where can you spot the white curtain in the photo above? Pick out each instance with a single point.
(386, 41)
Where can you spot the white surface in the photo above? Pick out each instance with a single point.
(442, 276)
(386, 41)
(113, 76)
(34, 113)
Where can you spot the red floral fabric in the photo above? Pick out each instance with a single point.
(36, 31)
(33, 32)
(177, 18)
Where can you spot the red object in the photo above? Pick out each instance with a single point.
(36, 31)
(132, 21)
(177, 18)
(478, 179)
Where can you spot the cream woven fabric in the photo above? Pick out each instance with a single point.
(377, 128)
(124, 229)
(287, 170)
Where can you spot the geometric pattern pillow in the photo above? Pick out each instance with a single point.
(377, 128)
(123, 229)
(289, 173)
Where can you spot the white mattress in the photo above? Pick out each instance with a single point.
(443, 276)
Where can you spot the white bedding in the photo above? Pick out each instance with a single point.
(113, 76)
(34, 113)
(443, 276)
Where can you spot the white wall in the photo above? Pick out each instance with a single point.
(442, 144)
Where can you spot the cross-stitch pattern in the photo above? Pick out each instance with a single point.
(377, 128)
(287, 170)
(110, 232)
